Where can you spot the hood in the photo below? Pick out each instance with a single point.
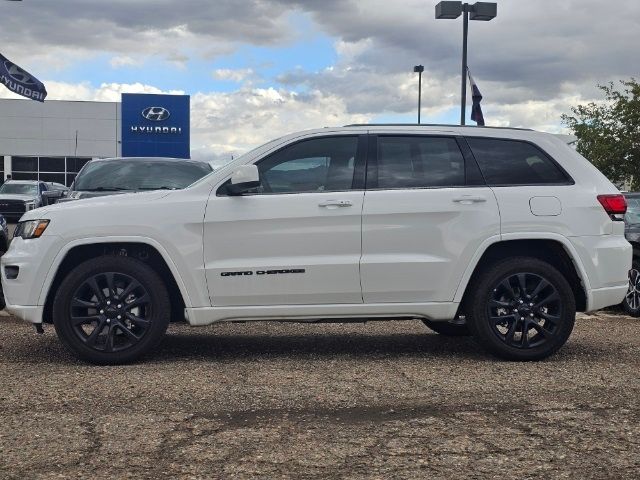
(96, 203)
(15, 196)
(81, 194)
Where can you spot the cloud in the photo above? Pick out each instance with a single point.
(234, 75)
(124, 61)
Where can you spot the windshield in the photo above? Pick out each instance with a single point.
(19, 189)
(139, 174)
(632, 216)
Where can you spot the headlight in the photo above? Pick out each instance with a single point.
(29, 206)
(31, 229)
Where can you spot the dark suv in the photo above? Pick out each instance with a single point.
(631, 303)
(111, 176)
(20, 196)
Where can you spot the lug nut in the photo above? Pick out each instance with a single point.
(119, 306)
(531, 314)
(108, 302)
(108, 321)
(531, 304)
(521, 301)
(120, 316)
(101, 312)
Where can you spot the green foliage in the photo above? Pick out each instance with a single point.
(609, 132)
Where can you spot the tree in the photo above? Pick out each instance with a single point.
(609, 132)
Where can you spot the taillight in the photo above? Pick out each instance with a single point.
(613, 204)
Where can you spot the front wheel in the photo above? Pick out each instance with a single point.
(522, 309)
(111, 310)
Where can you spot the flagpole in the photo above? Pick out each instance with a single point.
(465, 36)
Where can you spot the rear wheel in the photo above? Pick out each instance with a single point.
(522, 309)
(111, 310)
(631, 302)
(452, 328)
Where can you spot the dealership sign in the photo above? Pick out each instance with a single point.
(155, 125)
(20, 81)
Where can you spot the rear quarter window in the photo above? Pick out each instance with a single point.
(514, 162)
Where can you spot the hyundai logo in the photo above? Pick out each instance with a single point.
(18, 74)
(156, 114)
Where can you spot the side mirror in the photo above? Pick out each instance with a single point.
(243, 179)
(50, 197)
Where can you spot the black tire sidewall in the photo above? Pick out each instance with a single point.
(148, 278)
(482, 289)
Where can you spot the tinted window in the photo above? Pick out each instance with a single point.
(317, 165)
(52, 164)
(414, 162)
(140, 174)
(510, 162)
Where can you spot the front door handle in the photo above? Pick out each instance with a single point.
(469, 199)
(336, 203)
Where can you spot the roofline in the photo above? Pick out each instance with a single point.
(432, 125)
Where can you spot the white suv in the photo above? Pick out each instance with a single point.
(501, 233)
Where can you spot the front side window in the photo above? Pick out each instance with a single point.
(632, 216)
(512, 162)
(315, 165)
(419, 162)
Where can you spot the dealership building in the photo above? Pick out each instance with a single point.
(52, 141)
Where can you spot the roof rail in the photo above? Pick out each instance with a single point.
(430, 125)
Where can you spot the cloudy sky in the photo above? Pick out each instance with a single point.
(257, 69)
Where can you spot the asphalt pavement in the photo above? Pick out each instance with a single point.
(376, 400)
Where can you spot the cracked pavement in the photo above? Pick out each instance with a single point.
(378, 400)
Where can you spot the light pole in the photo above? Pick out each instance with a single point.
(419, 69)
(483, 11)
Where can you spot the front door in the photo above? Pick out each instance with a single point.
(426, 213)
(297, 239)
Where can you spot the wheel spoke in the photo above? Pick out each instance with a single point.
(511, 332)
(541, 286)
(93, 284)
(499, 304)
(507, 286)
(548, 299)
(111, 283)
(140, 322)
(128, 333)
(75, 321)
(109, 344)
(78, 302)
(91, 339)
(133, 284)
(548, 317)
(539, 328)
(522, 284)
(138, 302)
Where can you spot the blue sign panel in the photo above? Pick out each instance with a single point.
(155, 125)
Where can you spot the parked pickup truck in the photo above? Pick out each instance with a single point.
(510, 230)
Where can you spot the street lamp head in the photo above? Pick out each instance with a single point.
(418, 69)
(484, 11)
(448, 10)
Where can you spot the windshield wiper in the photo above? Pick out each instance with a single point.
(158, 188)
(105, 189)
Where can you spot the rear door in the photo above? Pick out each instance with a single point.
(426, 212)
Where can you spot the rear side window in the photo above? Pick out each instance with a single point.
(511, 162)
(419, 162)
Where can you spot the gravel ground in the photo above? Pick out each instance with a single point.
(268, 400)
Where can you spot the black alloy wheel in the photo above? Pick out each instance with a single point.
(522, 308)
(111, 310)
(631, 302)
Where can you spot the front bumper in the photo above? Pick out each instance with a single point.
(33, 258)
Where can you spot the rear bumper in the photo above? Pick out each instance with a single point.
(605, 297)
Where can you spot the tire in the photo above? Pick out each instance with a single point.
(631, 302)
(546, 311)
(452, 328)
(111, 310)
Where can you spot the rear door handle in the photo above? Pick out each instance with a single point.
(336, 203)
(469, 199)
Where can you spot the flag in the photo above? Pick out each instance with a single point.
(20, 81)
(476, 109)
